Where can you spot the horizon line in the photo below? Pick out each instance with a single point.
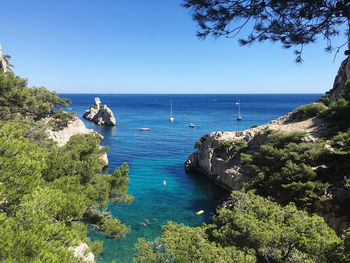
(267, 93)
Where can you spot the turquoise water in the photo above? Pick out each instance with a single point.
(160, 153)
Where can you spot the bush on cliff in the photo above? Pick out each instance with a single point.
(254, 230)
(338, 112)
(199, 142)
(284, 164)
(308, 111)
(228, 148)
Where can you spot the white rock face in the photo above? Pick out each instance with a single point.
(80, 253)
(74, 127)
(229, 172)
(101, 115)
(4, 66)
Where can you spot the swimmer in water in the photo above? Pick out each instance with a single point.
(164, 182)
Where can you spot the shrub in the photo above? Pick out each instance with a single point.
(199, 142)
(253, 126)
(61, 119)
(227, 148)
(308, 111)
(324, 99)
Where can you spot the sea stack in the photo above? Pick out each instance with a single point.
(100, 114)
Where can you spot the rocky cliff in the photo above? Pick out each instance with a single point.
(74, 127)
(228, 171)
(342, 76)
(4, 65)
(100, 114)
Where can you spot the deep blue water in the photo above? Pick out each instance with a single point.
(160, 153)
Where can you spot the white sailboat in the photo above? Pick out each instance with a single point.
(239, 117)
(171, 119)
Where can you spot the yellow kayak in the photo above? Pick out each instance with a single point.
(200, 212)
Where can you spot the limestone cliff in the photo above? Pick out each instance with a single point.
(228, 172)
(4, 64)
(342, 76)
(74, 127)
(100, 114)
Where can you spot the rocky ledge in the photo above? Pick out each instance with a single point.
(228, 171)
(74, 127)
(100, 114)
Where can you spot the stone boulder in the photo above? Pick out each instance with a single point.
(81, 253)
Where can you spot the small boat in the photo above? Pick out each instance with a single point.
(171, 119)
(239, 117)
(144, 129)
(200, 212)
(191, 125)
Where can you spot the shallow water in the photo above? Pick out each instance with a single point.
(159, 154)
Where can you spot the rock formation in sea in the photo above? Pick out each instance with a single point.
(100, 114)
(74, 127)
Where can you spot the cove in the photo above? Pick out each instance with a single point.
(159, 154)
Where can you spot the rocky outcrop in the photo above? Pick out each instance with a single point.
(4, 65)
(339, 81)
(74, 127)
(81, 252)
(229, 172)
(100, 114)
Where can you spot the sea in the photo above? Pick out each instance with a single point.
(159, 154)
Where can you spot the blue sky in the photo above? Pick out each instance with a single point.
(138, 46)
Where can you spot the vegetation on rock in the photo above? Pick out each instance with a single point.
(308, 111)
(48, 194)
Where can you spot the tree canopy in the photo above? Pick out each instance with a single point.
(254, 230)
(48, 194)
(290, 22)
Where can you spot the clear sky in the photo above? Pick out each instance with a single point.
(138, 46)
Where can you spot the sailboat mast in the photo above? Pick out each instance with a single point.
(239, 108)
(171, 108)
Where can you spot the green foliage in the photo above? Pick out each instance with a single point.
(113, 228)
(61, 119)
(342, 141)
(253, 126)
(255, 230)
(284, 164)
(229, 148)
(16, 97)
(181, 243)
(277, 234)
(308, 111)
(45, 191)
(292, 23)
(199, 142)
(324, 99)
(338, 112)
(34, 233)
